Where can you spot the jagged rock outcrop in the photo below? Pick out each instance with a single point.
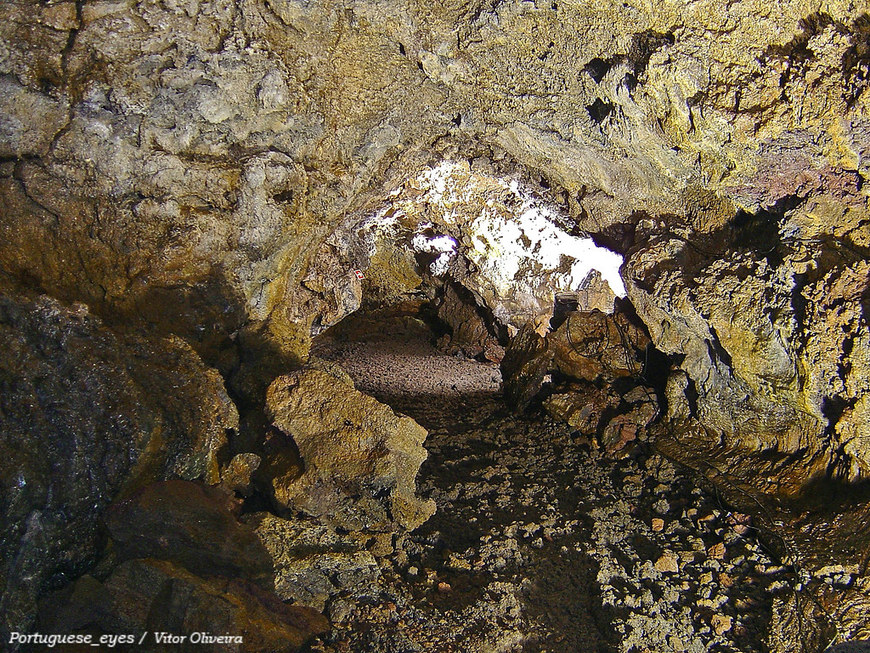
(524, 366)
(194, 528)
(157, 597)
(314, 565)
(591, 346)
(512, 250)
(204, 176)
(469, 333)
(181, 563)
(194, 185)
(603, 357)
(359, 459)
(88, 413)
(773, 344)
(595, 346)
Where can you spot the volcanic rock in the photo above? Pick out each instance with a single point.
(360, 458)
(583, 407)
(190, 525)
(152, 596)
(469, 333)
(87, 413)
(313, 563)
(237, 476)
(595, 346)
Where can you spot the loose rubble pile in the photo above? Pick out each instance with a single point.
(544, 542)
(557, 529)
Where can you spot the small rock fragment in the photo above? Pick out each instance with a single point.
(667, 563)
(717, 551)
(237, 475)
(721, 623)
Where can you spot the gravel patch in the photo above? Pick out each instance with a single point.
(540, 542)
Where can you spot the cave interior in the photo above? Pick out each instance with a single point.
(370, 325)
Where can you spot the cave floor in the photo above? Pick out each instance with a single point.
(540, 542)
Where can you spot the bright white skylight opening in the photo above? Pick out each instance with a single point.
(505, 245)
(443, 245)
(516, 254)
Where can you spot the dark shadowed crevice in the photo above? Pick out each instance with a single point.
(599, 110)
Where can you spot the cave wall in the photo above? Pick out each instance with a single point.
(182, 163)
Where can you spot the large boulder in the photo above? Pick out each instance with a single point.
(590, 346)
(360, 459)
(598, 347)
(86, 414)
(180, 562)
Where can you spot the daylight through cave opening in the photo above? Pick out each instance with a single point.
(505, 248)
(484, 266)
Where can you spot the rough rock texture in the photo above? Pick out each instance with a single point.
(775, 350)
(541, 542)
(314, 565)
(469, 334)
(582, 407)
(360, 459)
(238, 474)
(196, 530)
(482, 229)
(525, 365)
(86, 414)
(192, 185)
(187, 166)
(399, 345)
(153, 596)
(767, 321)
(207, 173)
(590, 346)
(768, 400)
(598, 347)
(181, 563)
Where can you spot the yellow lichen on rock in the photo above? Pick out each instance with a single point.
(360, 458)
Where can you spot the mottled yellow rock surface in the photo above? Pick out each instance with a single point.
(360, 459)
(195, 169)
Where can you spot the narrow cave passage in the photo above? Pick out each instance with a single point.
(541, 541)
(193, 191)
(390, 354)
